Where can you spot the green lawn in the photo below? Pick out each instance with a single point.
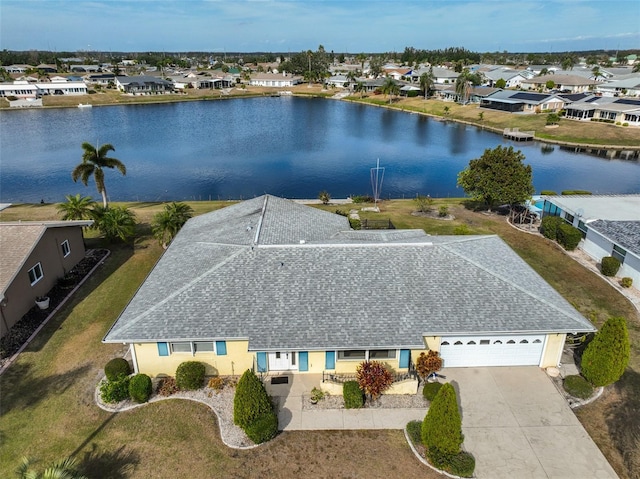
(47, 409)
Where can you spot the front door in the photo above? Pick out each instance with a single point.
(282, 361)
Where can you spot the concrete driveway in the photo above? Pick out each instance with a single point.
(517, 425)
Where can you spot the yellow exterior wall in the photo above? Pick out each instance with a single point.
(431, 342)
(235, 362)
(552, 350)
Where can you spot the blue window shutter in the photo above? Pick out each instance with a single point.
(405, 355)
(163, 349)
(262, 362)
(303, 356)
(221, 348)
(330, 360)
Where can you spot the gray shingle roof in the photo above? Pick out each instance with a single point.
(624, 233)
(354, 290)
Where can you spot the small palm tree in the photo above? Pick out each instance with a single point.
(76, 208)
(93, 161)
(63, 469)
(389, 88)
(360, 88)
(167, 223)
(114, 222)
(325, 197)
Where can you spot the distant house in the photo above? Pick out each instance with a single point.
(610, 225)
(512, 78)
(35, 255)
(276, 286)
(100, 78)
(85, 68)
(441, 76)
(18, 68)
(18, 89)
(62, 88)
(523, 102)
(563, 83)
(47, 68)
(476, 95)
(338, 81)
(628, 86)
(278, 80)
(143, 85)
(622, 111)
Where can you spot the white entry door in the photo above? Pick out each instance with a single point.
(469, 351)
(282, 361)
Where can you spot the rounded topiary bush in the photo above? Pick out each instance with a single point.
(264, 428)
(568, 236)
(430, 390)
(140, 388)
(190, 375)
(117, 367)
(442, 426)
(251, 400)
(549, 226)
(609, 266)
(626, 282)
(577, 386)
(115, 391)
(353, 395)
(607, 355)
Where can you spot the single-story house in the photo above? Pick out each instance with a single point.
(35, 255)
(143, 85)
(512, 78)
(278, 80)
(623, 111)
(62, 88)
(476, 95)
(628, 86)
(338, 81)
(85, 68)
(441, 76)
(564, 83)
(523, 102)
(610, 225)
(19, 89)
(274, 285)
(100, 78)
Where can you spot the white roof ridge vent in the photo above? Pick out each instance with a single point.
(303, 241)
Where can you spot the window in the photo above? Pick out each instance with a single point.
(511, 341)
(484, 341)
(180, 347)
(569, 218)
(35, 274)
(66, 250)
(537, 341)
(619, 253)
(524, 341)
(497, 341)
(203, 347)
(445, 343)
(382, 354)
(471, 342)
(351, 355)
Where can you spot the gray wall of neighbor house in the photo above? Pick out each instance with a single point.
(57, 252)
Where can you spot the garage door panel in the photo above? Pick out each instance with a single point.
(466, 351)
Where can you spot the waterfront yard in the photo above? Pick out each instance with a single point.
(47, 409)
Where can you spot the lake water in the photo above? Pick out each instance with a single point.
(290, 147)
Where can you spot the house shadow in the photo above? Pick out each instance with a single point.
(118, 464)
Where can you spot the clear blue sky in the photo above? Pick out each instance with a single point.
(338, 25)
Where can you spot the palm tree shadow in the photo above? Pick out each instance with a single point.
(118, 464)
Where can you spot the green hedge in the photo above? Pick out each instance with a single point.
(190, 375)
(353, 396)
(569, 236)
(414, 430)
(578, 386)
(609, 266)
(548, 193)
(140, 388)
(626, 282)
(251, 400)
(263, 428)
(442, 426)
(430, 390)
(461, 464)
(607, 355)
(115, 391)
(549, 226)
(117, 367)
(575, 192)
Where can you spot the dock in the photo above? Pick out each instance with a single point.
(516, 135)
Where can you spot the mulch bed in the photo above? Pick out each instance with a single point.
(23, 329)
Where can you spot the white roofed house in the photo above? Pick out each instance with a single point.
(620, 111)
(276, 286)
(512, 78)
(278, 80)
(628, 86)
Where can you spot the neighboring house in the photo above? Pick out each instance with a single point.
(143, 85)
(47, 68)
(610, 225)
(273, 285)
(18, 68)
(628, 86)
(85, 68)
(35, 255)
(512, 78)
(523, 102)
(441, 76)
(564, 83)
(62, 88)
(19, 89)
(622, 111)
(338, 81)
(278, 80)
(476, 95)
(100, 78)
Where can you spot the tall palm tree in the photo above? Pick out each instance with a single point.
(167, 223)
(360, 87)
(389, 88)
(76, 208)
(63, 469)
(93, 161)
(426, 81)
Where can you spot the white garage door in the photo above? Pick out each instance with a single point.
(464, 351)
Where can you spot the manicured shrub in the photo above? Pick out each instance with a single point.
(115, 391)
(442, 426)
(607, 355)
(461, 464)
(430, 390)
(362, 199)
(140, 388)
(626, 282)
(373, 378)
(577, 386)
(167, 386)
(263, 428)
(117, 367)
(428, 363)
(609, 266)
(575, 192)
(461, 230)
(569, 236)
(414, 430)
(443, 211)
(355, 223)
(549, 226)
(216, 383)
(548, 193)
(251, 400)
(352, 394)
(190, 375)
